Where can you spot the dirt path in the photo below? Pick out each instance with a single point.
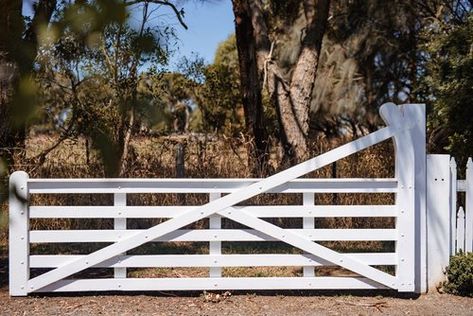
(303, 303)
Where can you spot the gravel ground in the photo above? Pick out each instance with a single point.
(280, 303)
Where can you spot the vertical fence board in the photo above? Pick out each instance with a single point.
(438, 217)
(453, 204)
(119, 199)
(215, 247)
(18, 234)
(460, 232)
(308, 223)
(469, 207)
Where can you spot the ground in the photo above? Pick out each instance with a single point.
(226, 303)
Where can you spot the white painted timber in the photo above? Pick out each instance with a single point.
(438, 217)
(418, 135)
(469, 207)
(108, 235)
(453, 203)
(199, 284)
(223, 203)
(308, 223)
(18, 234)
(187, 261)
(173, 211)
(301, 242)
(119, 200)
(460, 232)
(405, 197)
(87, 186)
(215, 247)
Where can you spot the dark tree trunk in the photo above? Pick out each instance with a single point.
(250, 78)
(17, 55)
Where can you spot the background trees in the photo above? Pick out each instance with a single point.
(292, 70)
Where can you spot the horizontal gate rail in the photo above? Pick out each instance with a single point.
(173, 211)
(90, 186)
(108, 235)
(170, 261)
(199, 284)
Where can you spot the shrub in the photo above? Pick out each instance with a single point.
(460, 275)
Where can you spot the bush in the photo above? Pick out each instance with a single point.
(460, 275)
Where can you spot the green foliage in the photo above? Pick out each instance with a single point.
(227, 55)
(91, 78)
(460, 275)
(219, 97)
(450, 80)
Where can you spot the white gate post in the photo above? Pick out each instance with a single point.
(18, 236)
(438, 217)
(418, 136)
(405, 143)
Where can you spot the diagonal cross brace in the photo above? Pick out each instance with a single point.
(313, 248)
(212, 207)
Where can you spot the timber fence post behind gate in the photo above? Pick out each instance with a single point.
(19, 270)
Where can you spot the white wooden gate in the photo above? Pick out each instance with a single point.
(405, 124)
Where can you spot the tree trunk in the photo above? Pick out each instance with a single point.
(293, 99)
(251, 86)
(12, 133)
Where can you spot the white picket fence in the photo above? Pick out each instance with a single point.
(428, 228)
(461, 214)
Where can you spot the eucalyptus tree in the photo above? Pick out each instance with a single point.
(92, 67)
(279, 44)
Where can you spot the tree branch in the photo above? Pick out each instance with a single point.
(179, 13)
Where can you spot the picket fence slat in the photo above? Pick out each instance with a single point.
(469, 207)
(102, 186)
(460, 232)
(73, 236)
(253, 260)
(172, 211)
(453, 203)
(199, 284)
